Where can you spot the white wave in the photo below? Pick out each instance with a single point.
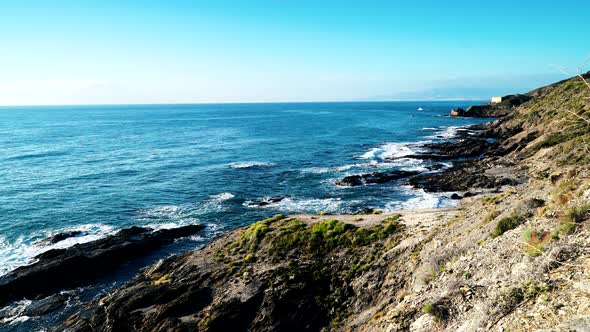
(393, 151)
(343, 168)
(290, 205)
(13, 314)
(446, 132)
(429, 128)
(23, 250)
(417, 168)
(421, 200)
(250, 164)
(222, 197)
(172, 216)
(402, 162)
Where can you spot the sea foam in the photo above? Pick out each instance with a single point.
(393, 151)
(24, 249)
(251, 164)
(302, 205)
(421, 200)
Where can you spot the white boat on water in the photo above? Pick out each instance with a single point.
(420, 109)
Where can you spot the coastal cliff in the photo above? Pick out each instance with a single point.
(514, 256)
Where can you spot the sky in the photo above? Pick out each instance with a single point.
(140, 52)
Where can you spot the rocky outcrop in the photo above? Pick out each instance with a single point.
(457, 112)
(465, 176)
(374, 178)
(493, 110)
(462, 148)
(59, 269)
(280, 274)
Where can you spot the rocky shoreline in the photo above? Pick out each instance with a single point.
(81, 264)
(513, 256)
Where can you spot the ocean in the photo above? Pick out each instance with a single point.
(102, 168)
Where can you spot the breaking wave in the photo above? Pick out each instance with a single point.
(393, 151)
(294, 205)
(24, 249)
(251, 164)
(419, 199)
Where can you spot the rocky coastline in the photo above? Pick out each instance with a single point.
(512, 257)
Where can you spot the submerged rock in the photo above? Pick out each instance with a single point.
(268, 201)
(61, 236)
(59, 269)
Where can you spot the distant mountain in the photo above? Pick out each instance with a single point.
(473, 89)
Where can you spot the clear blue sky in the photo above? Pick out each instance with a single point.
(87, 52)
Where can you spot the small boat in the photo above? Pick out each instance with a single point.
(420, 109)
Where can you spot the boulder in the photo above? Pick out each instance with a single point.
(456, 196)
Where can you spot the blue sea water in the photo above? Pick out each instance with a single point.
(103, 168)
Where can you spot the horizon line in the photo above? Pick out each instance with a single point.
(243, 103)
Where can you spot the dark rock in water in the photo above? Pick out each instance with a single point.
(469, 194)
(458, 149)
(374, 178)
(456, 196)
(267, 201)
(46, 305)
(435, 167)
(464, 176)
(61, 236)
(59, 269)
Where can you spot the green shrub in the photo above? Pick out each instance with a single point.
(506, 224)
(427, 308)
(578, 213)
(249, 258)
(563, 228)
(439, 311)
(490, 199)
(555, 139)
(254, 234)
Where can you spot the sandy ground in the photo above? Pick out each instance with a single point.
(412, 218)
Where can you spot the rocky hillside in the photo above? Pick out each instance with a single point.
(514, 256)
